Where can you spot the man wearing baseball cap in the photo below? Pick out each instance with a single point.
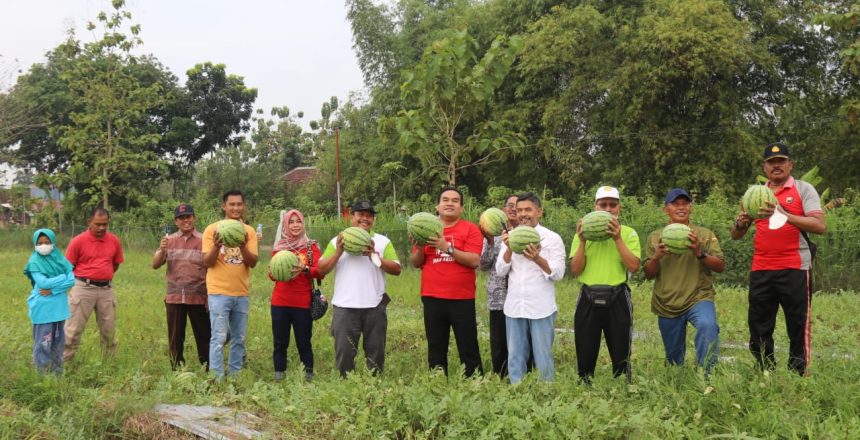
(781, 261)
(186, 286)
(604, 304)
(359, 303)
(684, 285)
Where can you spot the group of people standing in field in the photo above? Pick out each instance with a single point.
(208, 284)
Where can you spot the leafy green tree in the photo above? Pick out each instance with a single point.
(446, 95)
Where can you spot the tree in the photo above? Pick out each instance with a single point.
(446, 95)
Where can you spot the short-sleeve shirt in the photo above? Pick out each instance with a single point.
(297, 291)
(229, 275)
(785, 248)
(603, 264)
(94, 258)
(441, 276)
(186, 272)
(358, 283)
(683, 279)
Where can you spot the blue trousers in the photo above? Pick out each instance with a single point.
(535, 335)
(227, 311)
(49, 340)
(703, 316)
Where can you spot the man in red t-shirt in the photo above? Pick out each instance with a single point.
(781, 261)
(96, 255)
(448, 266)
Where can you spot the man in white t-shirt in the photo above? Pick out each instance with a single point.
(358, 304)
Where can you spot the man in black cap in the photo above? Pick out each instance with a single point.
(684, 285)
(781, 261)
(186, 286)
(359, 301)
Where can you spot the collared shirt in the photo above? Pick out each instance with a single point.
(785, 248)
(186, 273)
(603, 263)
(94, 258)
(358, 283)
(531, 291)
(497, 285)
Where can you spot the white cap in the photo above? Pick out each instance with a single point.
(607, 192)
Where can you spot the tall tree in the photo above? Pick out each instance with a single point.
(446, 96)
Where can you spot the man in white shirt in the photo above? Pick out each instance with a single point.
(530, 308)
(359, 301)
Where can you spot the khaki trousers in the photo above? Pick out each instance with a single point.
(83, 299)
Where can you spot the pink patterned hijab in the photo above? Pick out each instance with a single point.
(292, 242)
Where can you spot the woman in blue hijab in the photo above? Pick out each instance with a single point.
(51, 276)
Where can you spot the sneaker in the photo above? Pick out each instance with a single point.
(279, 376)
(309, 376)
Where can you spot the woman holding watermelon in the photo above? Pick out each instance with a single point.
(291, 300)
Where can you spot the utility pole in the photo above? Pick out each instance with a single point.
(337, 169)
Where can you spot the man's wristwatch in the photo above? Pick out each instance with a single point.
(450, 249)
(702, 255)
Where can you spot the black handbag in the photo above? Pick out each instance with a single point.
(319, 304)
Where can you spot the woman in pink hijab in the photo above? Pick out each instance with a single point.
(291, 300)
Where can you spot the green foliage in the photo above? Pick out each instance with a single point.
(103, 398)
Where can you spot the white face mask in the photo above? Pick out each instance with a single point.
(44, 249)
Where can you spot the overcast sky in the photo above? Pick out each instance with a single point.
(296, 53)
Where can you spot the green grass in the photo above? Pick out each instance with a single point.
(112, 398)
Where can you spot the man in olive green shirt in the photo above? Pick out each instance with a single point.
(684, 285)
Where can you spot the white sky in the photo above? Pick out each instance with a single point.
(296, 53)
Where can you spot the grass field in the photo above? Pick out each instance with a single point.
(113, 398)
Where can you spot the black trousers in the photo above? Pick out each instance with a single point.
(284, 318)
(177, 316)
(499, 345)
(615, 323)
(442, 315)
(770, 289)
(348, 325)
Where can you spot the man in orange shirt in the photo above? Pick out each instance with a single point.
(228, 281)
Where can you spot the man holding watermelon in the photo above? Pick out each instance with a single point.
(684, 285)
(448, 266)
(530, 307)
(782, 255)
(604, 304)
(228, 281)
(359, 301)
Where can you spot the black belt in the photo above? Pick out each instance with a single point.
(96, 283)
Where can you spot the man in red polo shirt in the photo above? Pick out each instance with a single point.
(781, 261)
(96, 255)
(448, 266)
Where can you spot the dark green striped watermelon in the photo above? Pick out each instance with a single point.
(422, 226)
(755, 198)
(355, 240)
(231, 232)
(493, 220)
(676, 237)
(521, 237)
(282, 264)
(595, 225)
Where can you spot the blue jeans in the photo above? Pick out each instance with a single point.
(227, 311)
(703, 316)
(49, 340)
(535, 335)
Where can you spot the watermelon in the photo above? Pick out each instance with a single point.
(282, 264)
(595, 224)
(755, 198)
(231, 232)
(676, 237)
(521, 237)
(423, 225)
(355, 240)
(494, 221)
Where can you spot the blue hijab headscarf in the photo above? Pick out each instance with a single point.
(49, 265)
